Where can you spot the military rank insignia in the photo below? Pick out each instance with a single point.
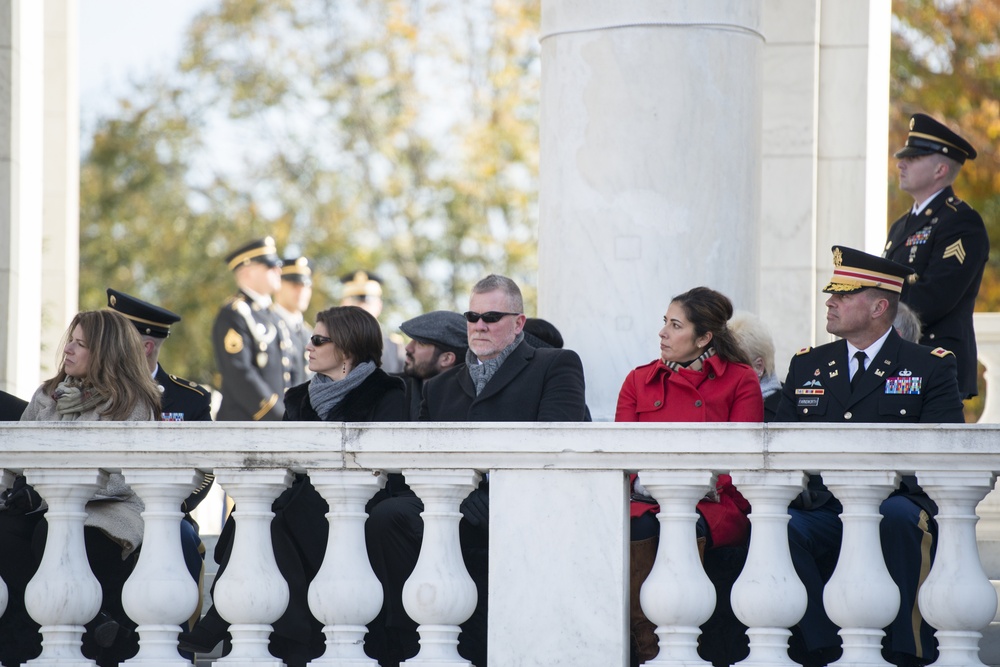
(233, 342)
(904, 383)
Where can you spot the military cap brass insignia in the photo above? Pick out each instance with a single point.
(838, 257)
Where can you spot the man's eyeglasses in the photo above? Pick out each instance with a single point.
(492, 317)
(318, 340)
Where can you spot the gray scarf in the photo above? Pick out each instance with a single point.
(325, 394)
(73, 397)
(769, 384)
(483, 372)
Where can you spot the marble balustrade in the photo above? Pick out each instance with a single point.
(558, 549)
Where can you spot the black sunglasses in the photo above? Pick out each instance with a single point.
(492, 317)
(318, 340)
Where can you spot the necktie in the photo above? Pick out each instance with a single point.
(856, 380)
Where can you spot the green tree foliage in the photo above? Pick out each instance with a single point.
(395, 137)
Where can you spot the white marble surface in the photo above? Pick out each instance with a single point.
(558, 548)
(643, 129)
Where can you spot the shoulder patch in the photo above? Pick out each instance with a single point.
(233, 342)
(187, 384)
(803, 351)
(941, 352)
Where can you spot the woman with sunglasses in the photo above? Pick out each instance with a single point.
(345, 353)
(702, 375)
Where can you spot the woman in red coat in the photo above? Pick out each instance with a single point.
(702, 375)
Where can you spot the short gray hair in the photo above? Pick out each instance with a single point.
(754, 337)
(493, 282)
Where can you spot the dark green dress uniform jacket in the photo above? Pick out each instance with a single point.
(947, 245)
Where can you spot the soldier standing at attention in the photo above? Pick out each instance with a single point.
(943, 240)
(290, 303)
(248, 341)
(364, 290)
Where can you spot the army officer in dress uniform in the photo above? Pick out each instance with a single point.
(364, 290)
(181, 400)
(943, 240)
(871, 375)
(250, 348)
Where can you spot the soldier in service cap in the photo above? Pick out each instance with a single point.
(943, 240)
(181, 400)
(251, 346)
(364, 289)
(290, 303)
(870, 375)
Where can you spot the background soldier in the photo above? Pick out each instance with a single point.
(291, 303)
(943, 240)
(247, 338)
(364, 290)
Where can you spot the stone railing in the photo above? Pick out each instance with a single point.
(558, 532)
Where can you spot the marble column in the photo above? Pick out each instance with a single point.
(650, 170)
(21, 113)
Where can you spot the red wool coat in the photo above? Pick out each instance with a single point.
(721, 392)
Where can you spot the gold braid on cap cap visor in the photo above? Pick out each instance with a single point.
(939, 140)
(142, 321)
(846, 279)
(250, 254)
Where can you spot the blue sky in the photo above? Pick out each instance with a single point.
(127, 39)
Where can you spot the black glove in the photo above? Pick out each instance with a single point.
(476, 508)
(20, 498)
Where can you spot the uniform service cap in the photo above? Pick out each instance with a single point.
(361, 284)
(296, 270)
(440, 327)
(262, 251)
(929, 136)
(148, 319)
(854, 270)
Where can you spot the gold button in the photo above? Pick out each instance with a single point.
(931, 336)
(847, 415)
(805, 411)
(903, 411)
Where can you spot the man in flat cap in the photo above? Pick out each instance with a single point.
(364, 290)
(871, 375)
(290, 304)
(437, 342)
(943, 240)
(180, 399)
(247, 338)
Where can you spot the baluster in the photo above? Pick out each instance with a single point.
(768, 596)
(346, 594)
(64, 593)
(861, 596)
(6, 481)
(160, 594)
(677, 595)
(440, 594)
(251, 593)
(957, 597)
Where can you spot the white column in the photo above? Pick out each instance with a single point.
(60, 267)
(64, 593)
(861, 596)
(650, 170)
(440, 594)
(987, 327)
(677, 595)
(160, 594)
(346, 594)
(957, 597)
(768, 596)
(21, 121)
(251, 594)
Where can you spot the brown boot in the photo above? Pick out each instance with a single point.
(641, 556)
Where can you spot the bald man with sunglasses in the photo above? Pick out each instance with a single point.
(503, 379)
